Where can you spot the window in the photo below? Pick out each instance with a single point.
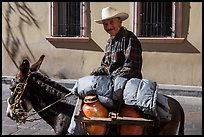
(69, 22)
(70, 26)
(68, 19)
(158, 21)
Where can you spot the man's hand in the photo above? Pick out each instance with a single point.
(125, 71)
(102, 70)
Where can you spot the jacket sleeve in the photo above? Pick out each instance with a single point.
(101, 70)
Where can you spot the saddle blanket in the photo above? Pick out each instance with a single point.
(138, 92)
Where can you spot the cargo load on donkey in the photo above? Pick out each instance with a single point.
(120, 106)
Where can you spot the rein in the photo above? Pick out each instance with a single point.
(17, 110)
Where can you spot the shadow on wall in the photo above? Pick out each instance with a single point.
(90, 45)
(185, 47)
(17, 45)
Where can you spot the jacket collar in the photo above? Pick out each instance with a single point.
(120, 33)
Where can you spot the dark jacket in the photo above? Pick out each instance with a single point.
(123, 56)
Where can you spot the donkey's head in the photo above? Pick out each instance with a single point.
(18, 104)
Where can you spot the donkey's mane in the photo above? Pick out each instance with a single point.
(49, 85)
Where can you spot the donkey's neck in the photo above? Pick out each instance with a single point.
(45, 92)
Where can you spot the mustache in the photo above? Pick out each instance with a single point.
(109, 29)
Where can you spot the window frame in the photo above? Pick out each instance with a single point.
(176, 19)
(85, 22)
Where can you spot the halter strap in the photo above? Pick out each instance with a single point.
(19, 90)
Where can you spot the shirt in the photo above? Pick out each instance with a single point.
(123, 55)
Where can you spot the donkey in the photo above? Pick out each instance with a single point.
(55, 103)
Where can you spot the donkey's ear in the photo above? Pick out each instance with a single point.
(36, 65)
(23, 69)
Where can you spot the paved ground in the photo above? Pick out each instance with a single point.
(192, 108)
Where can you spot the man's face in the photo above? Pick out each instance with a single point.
(112, 26)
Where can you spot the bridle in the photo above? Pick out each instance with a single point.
(16, 108)
(21, 116)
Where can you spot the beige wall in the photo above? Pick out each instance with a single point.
(182, 65)
(179, 64)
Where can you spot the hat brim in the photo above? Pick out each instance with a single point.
(123, 16)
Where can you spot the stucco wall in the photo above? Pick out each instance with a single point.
(179, 64)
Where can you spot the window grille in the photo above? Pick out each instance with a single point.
(155, 19)
(69, 19)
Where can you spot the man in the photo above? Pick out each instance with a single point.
(123, 53)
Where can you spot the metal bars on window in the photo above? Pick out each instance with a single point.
(69, 19)
(155, 19)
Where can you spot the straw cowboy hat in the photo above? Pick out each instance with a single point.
(109, 12)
